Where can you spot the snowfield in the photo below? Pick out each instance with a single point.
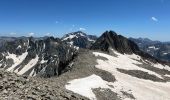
(167, 75)
(70, 37)
(30, 65)
(141, 89)
(85, 85)
(16, 60)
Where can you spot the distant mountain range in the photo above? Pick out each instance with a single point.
(160, 50)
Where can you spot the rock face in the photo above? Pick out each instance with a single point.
(160, 50)
(117, 42)
(29, 56)
(110, 39)
(79, 39)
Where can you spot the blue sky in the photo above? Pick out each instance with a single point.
(131, 18)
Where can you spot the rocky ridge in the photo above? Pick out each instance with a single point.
(29, 56)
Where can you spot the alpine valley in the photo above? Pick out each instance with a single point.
(84, 67)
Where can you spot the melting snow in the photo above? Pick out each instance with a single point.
(124, 62)
(165, 53)
(69, 37)
(71, 43)
(18, 47)
(91, 40)
(44, 46)
(31, 64)
(16, 60)
(153, 47)
(81, 34)
(85, 85)
(140, 88)
(32, 73)
(160, 66)
(167, 75)
(0, 63)
(43, 61)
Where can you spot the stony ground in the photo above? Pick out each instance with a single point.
(15, 87)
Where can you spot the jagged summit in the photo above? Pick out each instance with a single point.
(79, 39)
(74, 35)
(117, 42)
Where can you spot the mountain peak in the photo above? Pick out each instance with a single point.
(79, 39)
(107, 33)
(110, 39)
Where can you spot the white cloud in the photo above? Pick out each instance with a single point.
(31, 34)
(154, 19)
(82, 29)
(48, 34)
(12, 33)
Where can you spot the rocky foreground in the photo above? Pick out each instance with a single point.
(14, 87)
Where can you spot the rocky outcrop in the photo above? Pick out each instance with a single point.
(14, 87)
(30, 56)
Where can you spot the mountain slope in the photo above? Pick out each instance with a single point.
(136, 78)
(110, 39)
(29, 56)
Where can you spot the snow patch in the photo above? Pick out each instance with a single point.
(69, 37)
(90, 40)
(160, 66)
(126, 62)
(44, 46)
(31, 64)
(18, 47)
(16, 60)
(85, 85)
(153, 47)
(43, 61)
(141, 89)
(167, 75)
(0, 63)
(71, 43)
(32, 73)
(81, 34)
